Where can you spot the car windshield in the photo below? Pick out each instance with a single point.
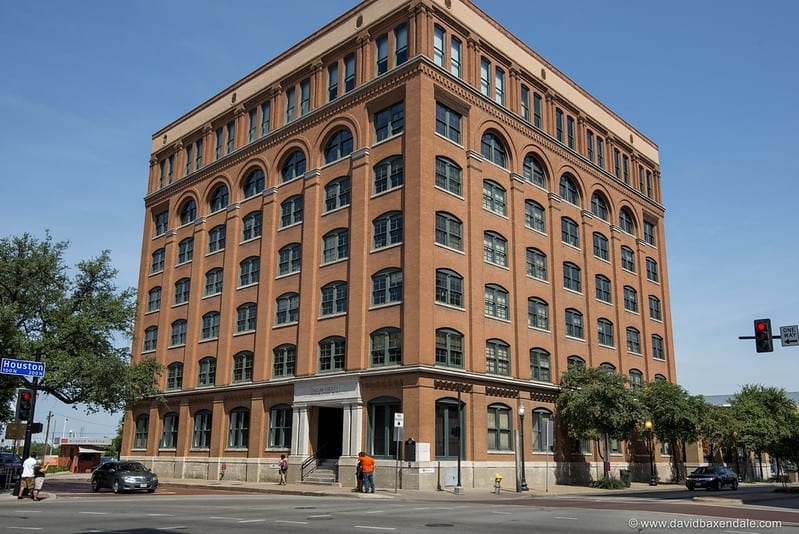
(706, 471)
(133, 467)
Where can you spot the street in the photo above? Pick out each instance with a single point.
(74, 509)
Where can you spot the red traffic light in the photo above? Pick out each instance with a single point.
(26, 395)
(760, 326)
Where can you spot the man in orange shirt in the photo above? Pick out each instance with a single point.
(368, 466)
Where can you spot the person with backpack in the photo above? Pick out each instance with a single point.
(283, 469)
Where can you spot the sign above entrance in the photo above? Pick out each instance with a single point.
(399, 420)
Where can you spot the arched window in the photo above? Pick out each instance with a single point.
(603, 291)
(219, 198)
(169, 435)
(238, 435)
(574, 323)
(450, 434)
(607, 367)
(540, 365)
(627, 259)
(387, 230)
(630, 299)
(150, 338)
(541, 420)
(657, 348)
(210, 329)
(449, 288)
(289, 259)
(140, 433)
(251, 225)
(284, 361)
(449, 176)
(536, 264)
(339, 146)
(636, 379)
(633, 340)
(575, 361)
(213, 282)
(599, 206)
(449, 347)
(188, 213)
(216, 239)
(201, 434)
(154, 299)
(293, 166)
(654, 308)
(601, 249)
(660, 377)
(386, 347)
(605, 332)
(157, 261)
(178, 336)
(493, 149)
(387, 287)
(626, 221)
(254, 183)
(533, 171)
(242, 367)
(500, 427)
(336, 245)
(449, 230)
(569, 232)
(381, 426)
(568, 190)
(280, 426)
(334, 298)
(331, 354)
(388, 174)
(495, 249)
(185, 250)
(651, 270)
(246, 317)
(174, 376)
(537, 313)
(496, 302)
(494, 197)
(288, 308)
(572, 277)
(206, 371)
(337, 193)
(291, 211)
(535, 216)
(248, 271)
(182, 290)
(497, 357)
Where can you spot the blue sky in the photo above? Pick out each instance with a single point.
(86, 84)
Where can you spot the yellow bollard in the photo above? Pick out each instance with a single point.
(497, 483)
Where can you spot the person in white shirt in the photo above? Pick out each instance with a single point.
(27, 476)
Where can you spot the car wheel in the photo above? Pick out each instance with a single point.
(734, 485)
(691, 488)
(117, 487)
(151, 490)
(717, 485)
(95, 485)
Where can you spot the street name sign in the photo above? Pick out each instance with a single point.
(789, 335)
(10, 366)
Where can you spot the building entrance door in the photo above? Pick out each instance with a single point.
(329, 432)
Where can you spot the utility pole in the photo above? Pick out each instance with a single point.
(47, 433)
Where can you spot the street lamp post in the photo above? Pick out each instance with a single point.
(521, 427)
(653, 481)
(459, 487)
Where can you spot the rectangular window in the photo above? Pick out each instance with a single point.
(589, 145)
(439, 37)
(455, 57)
(198, 162)
(649, 184)
(170, 173)
(525, 103)
(400, 45)
(641, 178)
(538, 114)
(570, 131)
(617, 163)
(485, 80)
(266, 110)
(189, 161)
(448, 123)
(305, 97)
(290, 96)
(389, 121)
(252, 130)
(600, 152)
(626, 169)
(499, 86)
(349, 73)
(332, 82)
(559, 124)
(231, 137)
(219, 138)
(382, 54)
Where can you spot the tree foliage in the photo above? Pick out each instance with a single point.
(767, 418)
(594, 402)
(675, 414)
(74, 317)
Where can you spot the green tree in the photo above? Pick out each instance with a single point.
(596, 404)
(767, 418)
(73, 317)
(675, 415)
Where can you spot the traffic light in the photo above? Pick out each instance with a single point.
(24, 404)
(763, 342)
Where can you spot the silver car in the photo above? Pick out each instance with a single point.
(124, 476)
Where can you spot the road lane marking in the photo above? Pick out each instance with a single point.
(291, 522)
(569, 518)
(374, 528)
(252, 521)
(94, 513)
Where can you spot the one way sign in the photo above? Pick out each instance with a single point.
(789, 335)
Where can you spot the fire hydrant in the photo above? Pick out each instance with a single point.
(497, 483)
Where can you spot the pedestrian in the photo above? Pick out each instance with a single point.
(368, 467)
(283, 468)
(358, 476)
(26, 482)
(38, 479)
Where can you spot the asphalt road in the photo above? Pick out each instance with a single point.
(76, 510)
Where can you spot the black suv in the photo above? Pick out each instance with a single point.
(10, 467)
(712, 477)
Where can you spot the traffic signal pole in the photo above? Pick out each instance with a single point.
(26, 448)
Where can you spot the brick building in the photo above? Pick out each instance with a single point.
(407, 207)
